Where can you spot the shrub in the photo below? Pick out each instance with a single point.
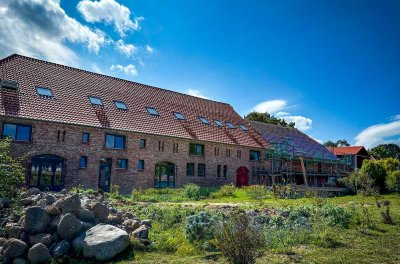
(11, 171)
(390, 164)
(376, 171)
(257, 191)
(384, 210)
(200, 226)
(238, 240)
(192, 191)
(393, 181)
(336, 215)
(227, 190)
(361, 183)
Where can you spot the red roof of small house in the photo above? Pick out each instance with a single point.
(70, 104)
(353, 150)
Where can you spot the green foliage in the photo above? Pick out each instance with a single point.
(336, 216)
(376, 171)
(390, 164)
(384, 210)
(192, 191)
(393, 181)
(11, 171)
(227, 190)
(200, 226)
(268, 118)
(339, 143)
(158, 195)
(257, 192)
(359, 182)
(385, 151)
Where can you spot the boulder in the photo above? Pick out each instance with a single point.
(61, 248)
(132, 224)
(14, 248)
(39, 253)
(85, 215)
(69, 226)
(102, 242)
(86, 226)
(2, 242)
(36, 220)
(1, 205)
(13, 230)
(41, 238)
(50, 199)
(100, 211)
(70, 204)
(146, 222)
(114, 220)
(142, 232)
(20, 260)
(5, 201)
(33, 191)
(52, 210)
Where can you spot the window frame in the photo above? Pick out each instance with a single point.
(88, 137)
(198, 169)
(156, 113)
(17, 125)
(225, 171)
(179, 116)
(216, 121)
(140, 143)
(95, 97)
(259, 155)
(140, 165)
(115, 136)
(85, 158)
(244, 128)
(117, 164)
(204, 120)
(219, 171)
(116, 102)
(230, 125)
(187, 169)
(44, 88)
(195, 151)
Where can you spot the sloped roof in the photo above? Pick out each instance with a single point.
(70, 104)
(353, 150)
(291, 141)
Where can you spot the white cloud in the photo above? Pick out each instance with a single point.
(129, 69)
(379, 134)
(149, 49)
(302, 123)
(279, 114)
(96, 68)
(196, 93)
(395, 117)
(127, 49)
(41, 28)
(271, 106)
(109, 12)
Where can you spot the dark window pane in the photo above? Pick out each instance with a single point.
(201, 170)
(142, 143)
(23, 133)
(9, 130)
(190, 169)
(204, 120)
(119, 142)
(85, 137)
(254, 155)
(219, 171)
(83, 162)
(141, 165)
(122, 163)
(110, 141)
(225, 171)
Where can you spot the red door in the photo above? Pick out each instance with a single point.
(242, 177)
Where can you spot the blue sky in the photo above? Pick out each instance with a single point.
(331, 66)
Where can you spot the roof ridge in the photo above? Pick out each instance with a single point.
(15, 55)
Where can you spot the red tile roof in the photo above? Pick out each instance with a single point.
(70, 104)
(353, 150)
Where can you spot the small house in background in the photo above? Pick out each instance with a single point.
(353, 156)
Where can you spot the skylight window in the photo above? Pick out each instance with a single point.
(44, 91)
(95, 100)
(179, 116)
(152, 111)
(230, 125)
(244, 128)
(204, 120)
(219, 123)
(120, 105)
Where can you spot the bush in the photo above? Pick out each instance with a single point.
(192, 191)
(360, 182)
(227, 190)
(336, 215)
(390, 164)
(257, 191)
(200, 226)
(11, 171)
(393, 181)
(376, 171)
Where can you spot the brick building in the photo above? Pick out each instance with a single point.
(75, 127)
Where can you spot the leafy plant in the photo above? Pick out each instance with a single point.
(200, 226)
(393, 181)
(376, 171)
(227, 190)
(384, 210)
(192, 191)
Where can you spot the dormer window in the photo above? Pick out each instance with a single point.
(204, 120)
(230, 125)
(152, 111)
(219, 123)
(244, 128)
(120, 105)
(95, 100)
(179, 116)
(44, 91)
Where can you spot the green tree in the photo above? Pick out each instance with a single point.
(330, 143)
(376, 171)
(11, 171)
(339, 143)
(393, 181)
(385, 151)
(268, 118)
(390, 164)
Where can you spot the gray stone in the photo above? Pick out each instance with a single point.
(132, 223)
(61, 248)
(55, 221)
(39, 253)
(102, 242)
(86, 226)
(2, 242)
(85, 215)
(69, 226)
(142, 232)
(100, 211)
(33, 191)
(114, 220)
(52, 210)
(13, 230)
(20, 260)
(14, 248)
(64, 191)
(50, 199)
(5, 201)
(36, 220)
(1, 205)
(146, 222)
(70, 204)
(128, 215)
(41, 238)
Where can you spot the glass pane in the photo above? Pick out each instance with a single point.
(152, 111)
(33, 180)
(85, 137)
(95, 100)
(141, 165)
(44, 91)
(244, 127)
(204, 121)
(179, 116)
(45, 176)
(120, 105)
(119, 142)
(82, 162)
(9, 130)
(58, 174)
(24, 133)
(110, 141)
(219, 123)
(230, 125)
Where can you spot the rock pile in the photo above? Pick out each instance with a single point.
(56, 224)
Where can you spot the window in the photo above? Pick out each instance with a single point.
(244, 128)
(175, 148)
(95, 100)
(196, 149)
(115, 141)
(225, 171)
(179, 116)
(85, 137)
(152, 111)
(120, 105)
(142, 143)
(218, 170)
(83, 162)
(201, 170)
(122, 164)
(228, 153)
(255, 155)
(17, 132)
(216, 151)
(239, 153)
(160, 145)
(141, 165)
(219, 123)
(190, 169)
(61, 136)
(204, 120)
(44, 91)
(230, 125)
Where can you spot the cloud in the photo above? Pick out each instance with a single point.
(379, 134)
(41, 28)
(302, 123)
(196, 93)
(127, 49)
(129, 69)
(96, 68)
(271, 106)
(149, 49)
(109, 12)
(394, 118)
